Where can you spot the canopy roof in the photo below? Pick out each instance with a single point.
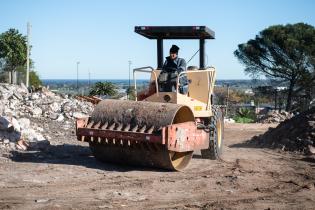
(175, 32)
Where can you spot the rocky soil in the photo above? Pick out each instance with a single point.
(24, 116)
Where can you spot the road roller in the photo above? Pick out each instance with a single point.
(161, 128)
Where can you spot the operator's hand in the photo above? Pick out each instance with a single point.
(169, 69)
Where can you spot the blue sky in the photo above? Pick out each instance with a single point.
(100, 34)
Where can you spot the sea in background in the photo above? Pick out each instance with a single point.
(124, 83)
(83, 86)
(92, 81)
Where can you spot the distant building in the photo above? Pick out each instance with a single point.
(281, 88)
(249, 91)
(125, 97)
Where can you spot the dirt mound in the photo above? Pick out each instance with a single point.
(274, 117)
(296, 134)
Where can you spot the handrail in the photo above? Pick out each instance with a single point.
(191, 71)
(142, 68)
(145, 70)
(209, 69)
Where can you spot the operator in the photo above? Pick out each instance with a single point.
(172, 67)
(173, 61)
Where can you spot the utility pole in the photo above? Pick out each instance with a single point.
(227, 99)
(276, 98)
(28, 54)
(128, 93)
(89, 79)
(78, 62)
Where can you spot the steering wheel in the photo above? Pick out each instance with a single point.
(169, 69)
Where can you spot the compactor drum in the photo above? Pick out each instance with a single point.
(159, 129)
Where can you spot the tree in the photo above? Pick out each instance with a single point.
(282, 52)
(13, 51)
(34, 79)
(131, 93)
(104, 88)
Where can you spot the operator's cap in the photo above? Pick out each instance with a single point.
(174, 49)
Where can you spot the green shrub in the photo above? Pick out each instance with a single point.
(104, 88)
(34, 79)
(243, 120)
(245, 115)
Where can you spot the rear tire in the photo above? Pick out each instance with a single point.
(215, 149)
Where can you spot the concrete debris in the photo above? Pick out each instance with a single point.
(24, 123)
(60, 118)
(296, 134)
(229, 120)
(53, 116)
(79, 115)
(274, 117)
(20, 110)
(36, 111)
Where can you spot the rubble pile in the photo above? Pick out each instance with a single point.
(274, 117)
(296, 134)
(19, 108)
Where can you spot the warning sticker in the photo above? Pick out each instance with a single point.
(198, 108)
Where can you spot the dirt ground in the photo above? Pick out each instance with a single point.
(66, 176)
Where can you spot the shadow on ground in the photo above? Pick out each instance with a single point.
(68, 154)
(197, 156)
(253, 143)
(310, 159)
(250, 143)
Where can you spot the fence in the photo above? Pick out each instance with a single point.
(17, 77)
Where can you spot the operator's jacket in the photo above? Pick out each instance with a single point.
(169, 73)
(178, 63)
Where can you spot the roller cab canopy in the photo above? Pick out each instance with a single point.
(177, 32)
